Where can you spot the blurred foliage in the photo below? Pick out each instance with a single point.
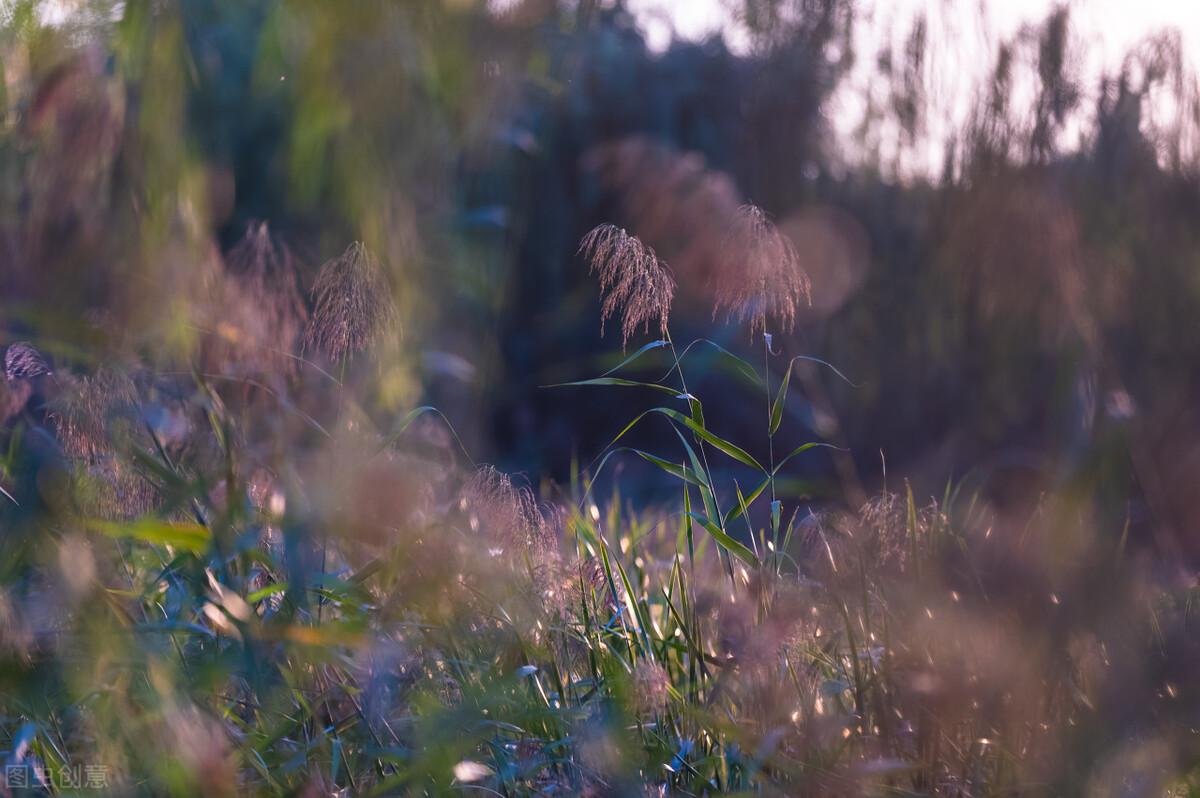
(287, 266)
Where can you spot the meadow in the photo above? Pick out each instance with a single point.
(387, 412)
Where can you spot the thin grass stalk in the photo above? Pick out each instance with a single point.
(720, 519)
(770, 430)
(856, 668)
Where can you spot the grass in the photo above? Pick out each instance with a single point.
(240, 556)
(370, 616)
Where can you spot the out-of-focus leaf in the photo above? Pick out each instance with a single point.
(726, 542)
(178, 534)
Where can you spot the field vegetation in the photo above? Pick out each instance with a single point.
(408, 399)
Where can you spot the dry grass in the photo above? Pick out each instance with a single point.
(634, 283)
(463, 626)
(770, 286)
(352, 306)
(22, 361)
(256, 314)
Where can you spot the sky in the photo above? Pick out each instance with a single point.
(1111, 25)
(963, 35)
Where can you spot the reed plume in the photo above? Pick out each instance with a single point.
(506, 514)
(878, 537)
(22, 361)
(523, 535)
(261, 313)
(770, 285)
(100, 408)
(651, 688)
(93, 423)
(352, 305)
(680, 203)
(633, 281)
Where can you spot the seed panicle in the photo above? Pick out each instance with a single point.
(771, 285)
(86, 418)
(633, 281)
(352, 305)
(258, 311)
(22, 361)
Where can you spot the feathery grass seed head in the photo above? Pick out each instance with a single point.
(101, 407)
(771, 283)
(22, 361)
(352, 305)
(262, 301)
(633, 281)
(651, 688)
(506, 514)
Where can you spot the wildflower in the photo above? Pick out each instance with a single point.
(22, 361)
(352, 305)
(771, 284)
(633, 280)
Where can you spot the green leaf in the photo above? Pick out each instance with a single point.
(706, 491)
(741, 366)
(409, 418)
(787, 535)
(697, 410)
(617, 381)
(687, 512)
(634, 611)
(628, 427)
(804, 448)
(734, 451)
(780, 400)
(643, 350)
(746, 515)
(827, 365)
(697, 468)
(726, 542)
(328, 634)
(262, 593)
(607, 565)
(680, 472)
(182, 535)
(736, 512)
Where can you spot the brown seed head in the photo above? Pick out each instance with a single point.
(651, 688)
(506, 514)
(100, 408)
(22, 361)
(633, 281)
(94, 421)
(257, 313)
(352, 305)
(771, 283)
